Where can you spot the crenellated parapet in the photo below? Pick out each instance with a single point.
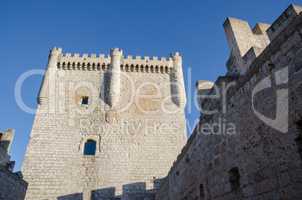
(113, 65)
(77, 61)
(148, 61)
(129, 63)
(243, 40)
(247, 43)
(283, 20)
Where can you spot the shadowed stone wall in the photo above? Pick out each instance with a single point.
(12, 185)
(250, 148)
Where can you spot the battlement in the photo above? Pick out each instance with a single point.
(94, 62)
(115, 63)
(6, 139)
(246, 44)
(78, 61)
(203, 87)
(283, 20)
(244, 41)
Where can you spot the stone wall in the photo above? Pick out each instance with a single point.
(136, 144)
(240, 151)
(134, 191)
(12, 185)
(244, 40)
(6, 139)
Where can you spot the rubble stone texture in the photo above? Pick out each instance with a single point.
(261, 159)
(12, 186)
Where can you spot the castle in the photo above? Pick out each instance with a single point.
(110, 127)
(105, 125)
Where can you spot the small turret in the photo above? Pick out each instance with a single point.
(46, 89)
(115, 76)
(178, 80)
(53, 56)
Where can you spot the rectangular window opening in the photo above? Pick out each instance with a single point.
(85, 100)
(201, 192)
(299, 137)
(234, 178)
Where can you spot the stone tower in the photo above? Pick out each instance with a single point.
(105, 125)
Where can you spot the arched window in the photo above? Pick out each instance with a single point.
(90, 147)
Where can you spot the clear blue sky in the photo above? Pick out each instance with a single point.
(30, 28)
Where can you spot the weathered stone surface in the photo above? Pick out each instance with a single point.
(136, 138)
(259, 160)
(12, 185)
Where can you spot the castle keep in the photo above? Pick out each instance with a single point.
(105, 126)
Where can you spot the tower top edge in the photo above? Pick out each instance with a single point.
(127, 59)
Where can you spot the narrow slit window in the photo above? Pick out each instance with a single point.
(201, 192)
(234, 178)
(85, 100)
(299, 138)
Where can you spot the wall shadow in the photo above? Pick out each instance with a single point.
(132, 191)
(76, 196)
(105, 86)
(174, 88)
